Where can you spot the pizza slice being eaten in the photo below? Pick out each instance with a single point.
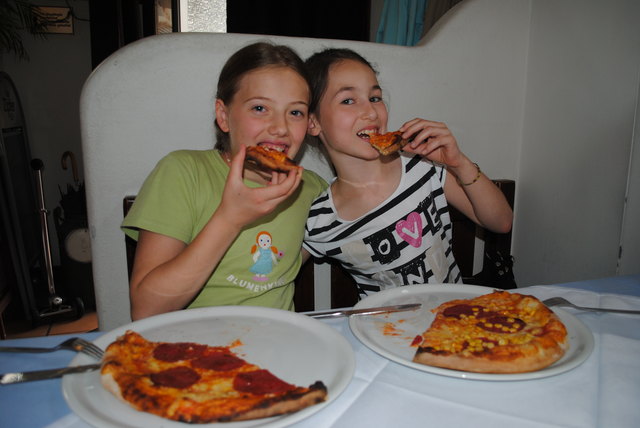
(388, 143)
(499, 332)
(195, 383)
(269, 159)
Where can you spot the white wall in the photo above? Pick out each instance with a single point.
(630, 240)
(581, 94)
(545, 93)
(474, 80)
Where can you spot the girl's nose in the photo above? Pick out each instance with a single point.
(369, 112)
(278, 126)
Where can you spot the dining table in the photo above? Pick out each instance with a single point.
(601, 391)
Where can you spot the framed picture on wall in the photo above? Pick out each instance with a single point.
(54, 20)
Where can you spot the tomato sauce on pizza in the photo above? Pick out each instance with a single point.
(197, 383)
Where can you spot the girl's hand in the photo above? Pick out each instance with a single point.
(432, 140)
(242, 205)
(479, 199)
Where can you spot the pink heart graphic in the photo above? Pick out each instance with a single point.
(411, 229)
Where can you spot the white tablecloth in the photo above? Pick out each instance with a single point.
(602, 392)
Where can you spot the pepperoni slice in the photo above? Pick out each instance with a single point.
(458, 310)
(218, 361)
(260, 382)
(416, 340)
(463, 309)
(172, 352)
(176, 377)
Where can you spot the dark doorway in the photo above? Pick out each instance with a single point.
(325, 19)
(116, 23)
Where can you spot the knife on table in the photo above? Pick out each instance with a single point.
(364, 311)
(9, 378)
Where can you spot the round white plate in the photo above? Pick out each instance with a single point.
(298, 349)
(391, 335)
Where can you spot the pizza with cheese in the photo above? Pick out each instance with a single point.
(196, 383)
(499, 332)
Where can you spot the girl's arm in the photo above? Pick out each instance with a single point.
(482, 201)
(167, 273)
(305, 255)
(466, 187)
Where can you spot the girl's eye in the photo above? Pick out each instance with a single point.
(298, 113)
(259, 108)
(347, 101)
(375, 99)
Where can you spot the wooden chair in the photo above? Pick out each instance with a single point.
(495, 247)
(344, 293)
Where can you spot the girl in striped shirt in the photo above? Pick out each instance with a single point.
(385, 218)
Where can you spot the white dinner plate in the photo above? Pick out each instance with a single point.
(298, 349)
(391, 335)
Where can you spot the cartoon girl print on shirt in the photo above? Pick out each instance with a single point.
(264, 256)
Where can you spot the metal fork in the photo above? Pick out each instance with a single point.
(560, 301)
(74, 344)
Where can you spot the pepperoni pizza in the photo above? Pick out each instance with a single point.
(195, 383)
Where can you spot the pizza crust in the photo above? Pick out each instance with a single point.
(280, 406)
(526, 359)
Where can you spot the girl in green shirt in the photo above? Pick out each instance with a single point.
(200, 215)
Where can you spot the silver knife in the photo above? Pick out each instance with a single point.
(364, 311)
(9, 378)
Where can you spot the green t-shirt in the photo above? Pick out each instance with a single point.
(178, 199)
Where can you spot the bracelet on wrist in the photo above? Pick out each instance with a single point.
(472, 181)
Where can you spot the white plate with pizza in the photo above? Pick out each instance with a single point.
(393, 335)
(294, 347)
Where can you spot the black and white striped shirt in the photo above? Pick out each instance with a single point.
(405, 240)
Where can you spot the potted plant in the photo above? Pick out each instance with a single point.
(16, 16)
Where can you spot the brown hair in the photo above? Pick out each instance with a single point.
(318, 66)
(250, 58)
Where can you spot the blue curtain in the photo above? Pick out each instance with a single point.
(401, 22)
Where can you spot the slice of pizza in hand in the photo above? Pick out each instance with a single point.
(269, 159)
(499, 332)
(195, 383)
(388, 143)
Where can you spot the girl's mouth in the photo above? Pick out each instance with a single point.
(282, 148)
(365, 134)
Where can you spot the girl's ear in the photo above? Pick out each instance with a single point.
(313, 128)
(222, 118)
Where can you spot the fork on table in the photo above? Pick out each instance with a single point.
(560, 301)
(74, 344)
